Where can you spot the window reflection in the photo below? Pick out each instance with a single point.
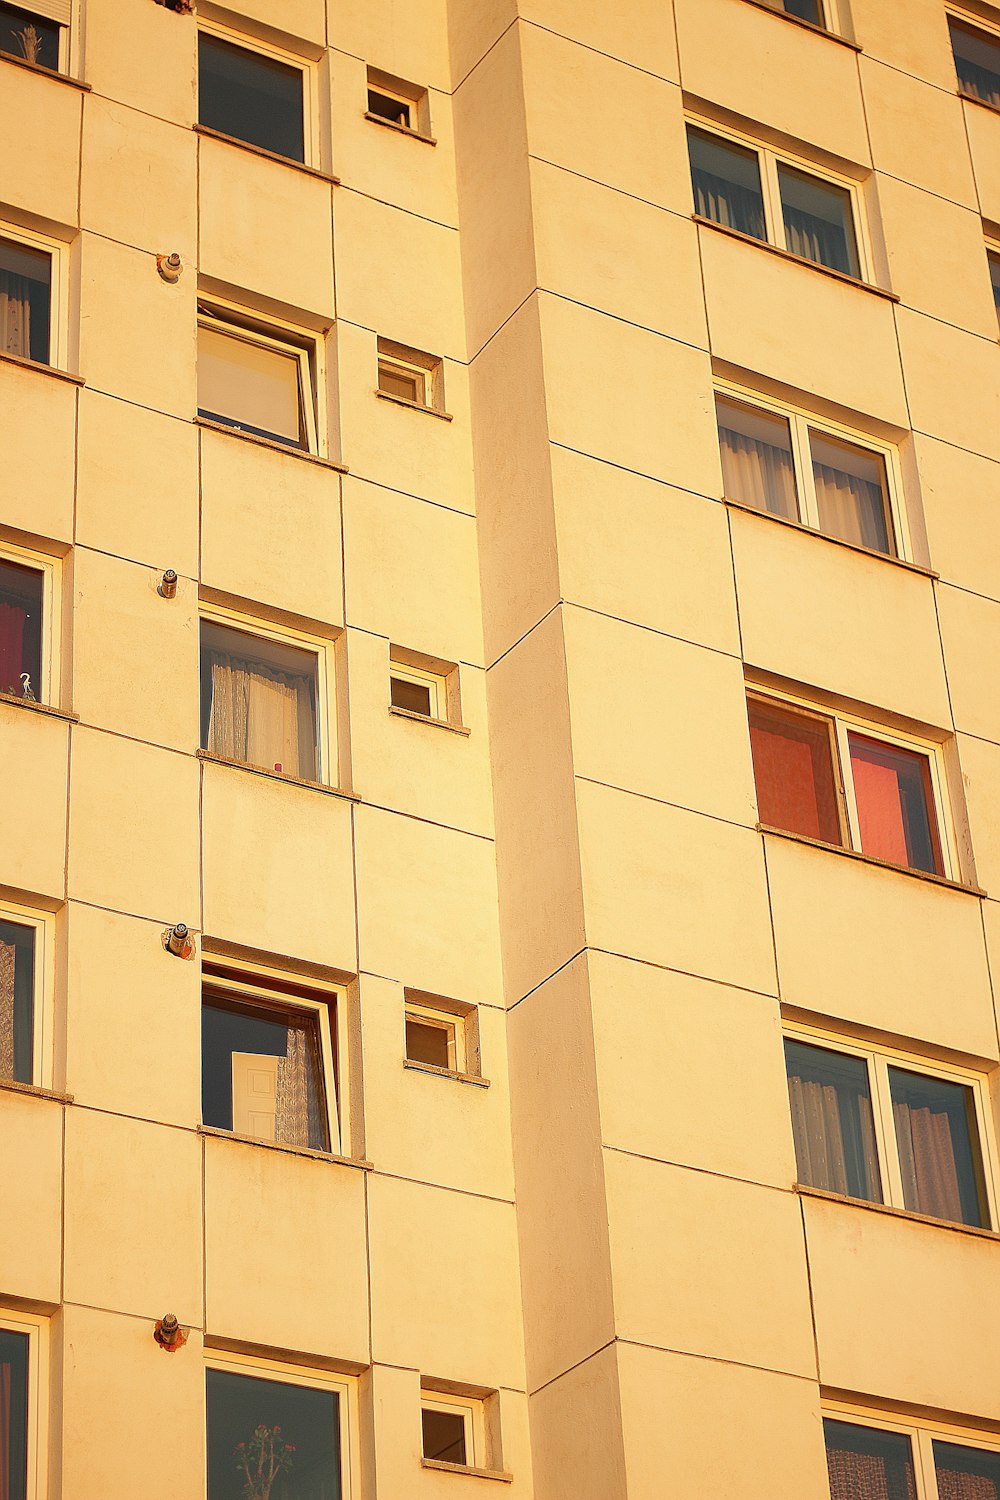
(251, 97)
(726, 181)
(289, 1431)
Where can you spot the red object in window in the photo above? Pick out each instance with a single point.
(793, 768)
(895, 804)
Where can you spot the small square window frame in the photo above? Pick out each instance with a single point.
(328, 747)
(58, 252)
(443, 1020)
(311, 92)
(922, 1438)
(416, 99)
(43, 924)
(472, 1411)
(427, 368)
(435, 682)
(48, 691)
(240, 322)
(37, 1330)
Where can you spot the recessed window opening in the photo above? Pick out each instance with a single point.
(251, 96)
(255, 382)
(410, 375)
(21, 596)
(431, 1039)
(291, 1430)
(259, 701)
(34, 35)
(397, 111)
(977, 61)
(17, 1002)
(727, 185)
(25, 301)
(418, 691)
(444, 1435)
(14, 1361)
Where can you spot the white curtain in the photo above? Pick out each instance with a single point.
(261, 717)
(851, 507)
(758, 474)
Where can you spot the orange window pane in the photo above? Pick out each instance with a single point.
(793, 768)
(895, 805)
(249, 385)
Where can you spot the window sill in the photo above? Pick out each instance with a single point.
(52, 371)
(407, 713)
(783, 15)
(805, 1191)
(252, 1140)
(442, 1468)
(459, 1077)
(838, 541)
(40, 708)
(242, 765)
(53, 73)
(871, 859)
(432, 411)
(286, 161)
(272, 443)
(34, 1090)
(797, 260)
(416, 135)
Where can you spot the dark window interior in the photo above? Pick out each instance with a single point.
(726, 182)
(444, 1436)
(977, 61)
(26, 291)
(285, 1044)
(254, 98)
(971, 1472)
(13, 1415)
(295, 1428)
(35, 38)
(806, 10)
(414, 696)
(17, 1010)
(832, 1121)
(865, 1461)
(396, 110)
(427, 1043)
(938, 1141)
(20, 630)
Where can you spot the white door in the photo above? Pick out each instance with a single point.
(255, 1095)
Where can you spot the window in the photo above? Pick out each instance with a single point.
(299, 1428)
(409, 375)
(453, 1429)
(747, 188)
(435, 1038)
(21, 593)
(778, 461)
(825, 777)
(17, 1001)
(805, 10)
(25, 301)
(253, 380)
(417, 692)
(993, 259)
(23, 1359)
(252, 94)
(873, 1124)
(395, 102)
(38, 33)
(880, 1458)
(269, 1057)
(977, 61)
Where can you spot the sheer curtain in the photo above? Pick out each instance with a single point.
(819, 1133)
(727, 203)
(7, 959)
(298, 1120)
(15, 319)
(867, 1476)
(758, 474)
(817, 239)
(927, 1161)
(851, 507)
(262, 717)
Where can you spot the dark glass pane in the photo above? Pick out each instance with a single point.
(414, 696)
(427, 1043)
(892, 788)
(251, 97)
(806, 10)
(793, 770)
(819, 223)
(13, 1415)
(757, 466)
(938, 1142)
(291, 1427)
(20, 629)
(852, 493)
(34, 38)
(726, 181)
(832, 1121)
(25, 298)
(388, 108)
(966, 1473)
(258, 701)
(977, 61)
(261, 1074)
(864, 1461)
(994, 264)
(17, 1002)
(444, 1436)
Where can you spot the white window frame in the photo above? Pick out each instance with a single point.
(922, 1438)
(843, 724)
(238, 322)
(36, 1328)
(473, 1415)
(47, 691)
(43, 1031)
(421, 374)
(58, 253)
(769, 161)
(345, 1387)
(878, 1059)
(53, 10)
(445, 1021)
(433, 681)
(800, 420)
(327, 744)
(257, 983)
(310, 87)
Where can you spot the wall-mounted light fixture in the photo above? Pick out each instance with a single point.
(167, 586)
(178, 941)
(170, 267)
(169, 1334)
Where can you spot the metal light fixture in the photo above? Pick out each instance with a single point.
(169, 1334)
(167, 586)
(178, 941)
(170, 267)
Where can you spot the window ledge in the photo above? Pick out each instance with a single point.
(286, 161)
(272, 443)
(871, 859)
(53, 73)
(838, 541)
(432, 411)
(420, 1067)
(408, 713)
(52, 371)
(797, 260)
(35, 1090)
(416, 135)
(806, 1191)
(252, 1140)
(443, 1468)
(242, 765)
(807, 25)
(40, 708)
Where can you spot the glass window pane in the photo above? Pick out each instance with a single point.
(939, 1153)
(726, 181)
(793, 769)
(852, 493)
(250, 386)
(25, 298)
(966, 1473)
(994, 262)
(757, 467)
(254, 1423)
(387, 108)
(832, 1121)
(17, 1002)
(428, 1043)
(35, 38)
(258, 701)
(864, 1462)
(444, 1436)
(819, 223)
(977, 61)
(13, 1415)
(261, 1074)
(806, 10)
(20, 630)
(413, 696)
(249, 96)
(397, 380)
(892, 788)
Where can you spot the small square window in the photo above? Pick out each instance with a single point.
(25, 301)
(397, 102)
(410, 375)
(252, 96)
(431, 1039)
(417, 692)
(977, 61)
(441, 1033)
(453, 1429)
(256, 382)
(292, 1427)
(34, 34)
(388, 107)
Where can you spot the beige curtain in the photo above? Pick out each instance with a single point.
(851, 508)
(819, 1139)
(15, 316)
(927, 1161)
(298, 1121)
(758, 474)
(7, 956)
(262, 718)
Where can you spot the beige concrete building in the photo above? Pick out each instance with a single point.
(500, 739)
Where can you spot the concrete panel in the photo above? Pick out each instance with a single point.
(917, 132)
(38, 110)
(34, 751)
(982, 128)
(411, 41)
(970, 630)
(31, 1224)
(980, 761)
(964, 411)
(920, 47)
(576, 1429)
(38, 436)
(932, 246)
(158, 161)
(642, 35)
(961, 503)
(145, 56)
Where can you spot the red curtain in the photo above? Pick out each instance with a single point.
(880, 811)
(11, 654)
(793, 769)
(5, 1432)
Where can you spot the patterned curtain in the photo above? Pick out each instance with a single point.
(867, 1476)
(7, 957)
(15, 319)
(298, 1118)
(818, 1130)
(952, 1486)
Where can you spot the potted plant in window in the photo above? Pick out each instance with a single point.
(261, 1460)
